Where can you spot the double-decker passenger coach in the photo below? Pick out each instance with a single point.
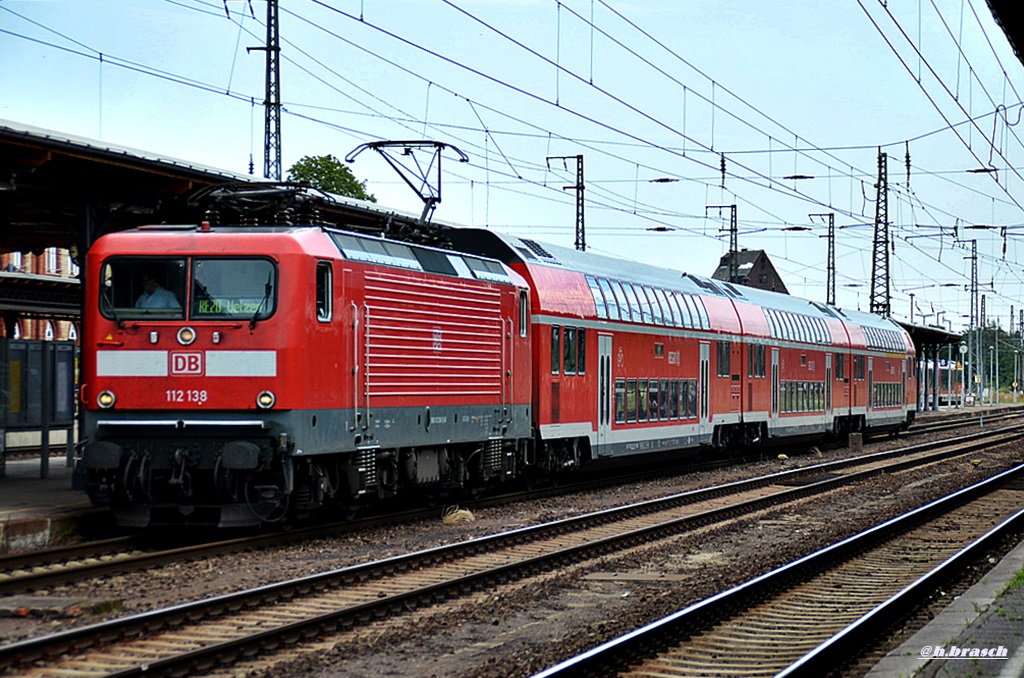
(631, 358)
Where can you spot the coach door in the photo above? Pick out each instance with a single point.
(704, 415)
(828, 385)
(604, 393)
(903, 393)
(871, 384)
(775, 388)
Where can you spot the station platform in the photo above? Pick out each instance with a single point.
(986, 618)
(37, 512)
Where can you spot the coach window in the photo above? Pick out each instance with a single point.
(645, 303)
(673, 399)
(691, 401)
(569, 364)
(656, 310)
(665, 397)
(634, 303)
(556, 348)
(642, 400)
(654, 395)
(724, 355)
(324, 291)
(699, 313)
(662, 314)
(684, 309)
(581, 351)
(620, 401)
(673, 308)
(599, 303)
(609, 299)
(620, 297)
(840, 367)
(666, 308)
(631, 400)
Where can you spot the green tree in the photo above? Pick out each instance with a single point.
(329, 174)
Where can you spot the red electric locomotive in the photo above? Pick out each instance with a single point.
(236, 375)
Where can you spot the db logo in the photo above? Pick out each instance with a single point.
(186, 363)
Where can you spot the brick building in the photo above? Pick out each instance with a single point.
(755, 270)
(53, 262)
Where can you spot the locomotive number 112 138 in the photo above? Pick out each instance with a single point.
(186, 396)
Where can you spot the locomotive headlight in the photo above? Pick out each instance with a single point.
(266, 400)
(186, 335)
(106, 399)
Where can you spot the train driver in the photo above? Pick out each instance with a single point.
(155, 296)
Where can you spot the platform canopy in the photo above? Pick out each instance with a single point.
(58, 190)
(1008, 15)
(930, 336)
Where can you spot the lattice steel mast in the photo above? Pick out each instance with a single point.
(581, 236)
(734, 240)
(272, 98)
(830, 289)
(880, 300)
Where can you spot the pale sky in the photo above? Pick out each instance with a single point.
(644, 90)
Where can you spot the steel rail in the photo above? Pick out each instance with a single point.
(73, 640)
(843, 645)
(631, 647)
(39, 575)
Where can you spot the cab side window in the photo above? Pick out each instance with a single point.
(324, 291)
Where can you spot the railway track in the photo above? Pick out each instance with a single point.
(65, 564)
(951, 422)
(815, 615)
(199, 636)
(58, 565)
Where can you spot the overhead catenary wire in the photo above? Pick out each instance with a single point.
(616, 197)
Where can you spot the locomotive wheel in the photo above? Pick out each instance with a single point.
(135, 481)
(266, 502)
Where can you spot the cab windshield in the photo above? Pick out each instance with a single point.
(173, 288)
